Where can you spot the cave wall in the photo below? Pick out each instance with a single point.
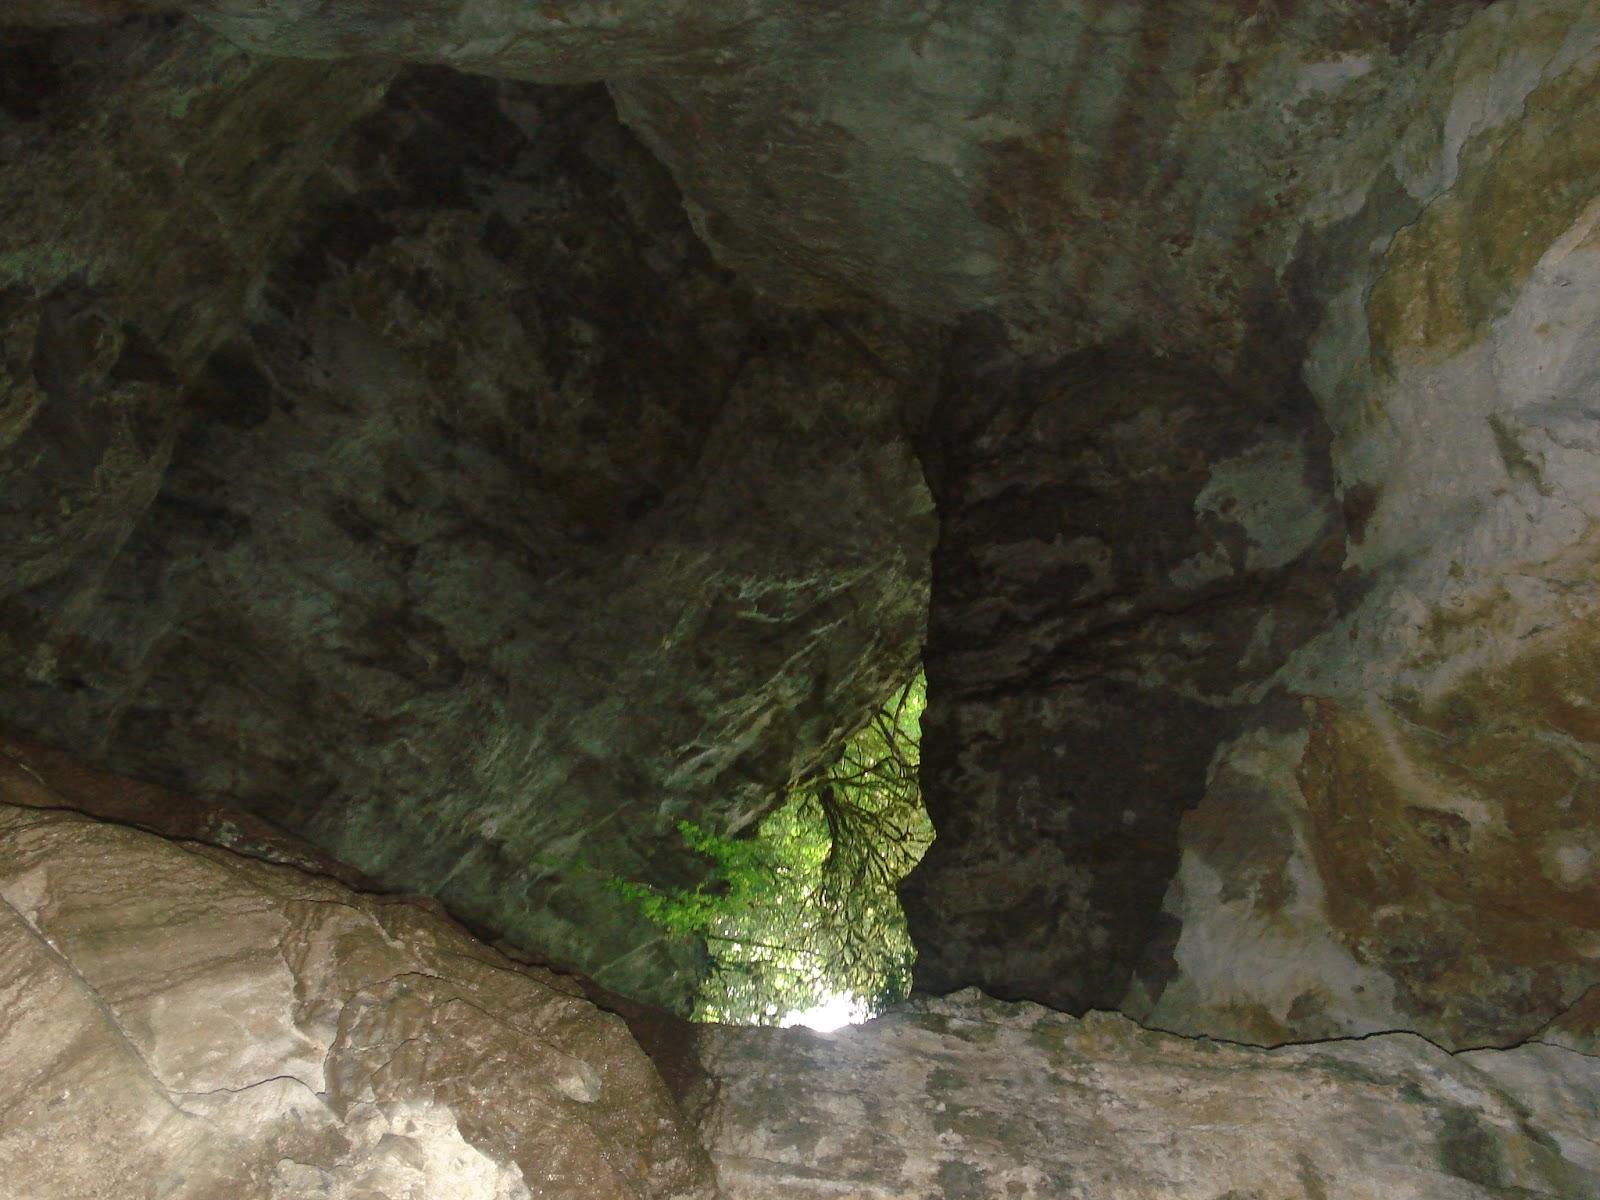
(1269, 716)
(1128, 554)
(1091, 171)
(476, 526)
(146, 168)
(1340, 710)
(1434, 804)
(1377, 218)
(419, 463)
(969, 1098)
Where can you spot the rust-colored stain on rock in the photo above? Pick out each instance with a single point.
(1456, 840)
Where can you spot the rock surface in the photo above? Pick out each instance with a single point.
(144, 170)
(1093, 171)
(1127, 555)
(1265, 666)
(500, 532)
(967, 1098)
(1342, 703)
(1423, 849)
(184, 1022)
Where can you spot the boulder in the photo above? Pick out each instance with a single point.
(182, 1021)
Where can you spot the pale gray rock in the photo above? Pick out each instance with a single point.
(183, 1022)
(1422, 851)
(967, 1098)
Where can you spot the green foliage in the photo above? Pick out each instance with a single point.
(806, 909)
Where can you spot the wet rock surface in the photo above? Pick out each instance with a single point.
(972, 1098)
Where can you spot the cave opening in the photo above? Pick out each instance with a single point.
(800, 919)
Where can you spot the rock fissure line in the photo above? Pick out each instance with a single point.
(105, 1010)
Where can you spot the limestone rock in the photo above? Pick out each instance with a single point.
(1093, 172)
(1370, 782)
(184, 1022)
(1431, 807)
(144, 170)
(1378, 219)
(1309, 750)
(971, 1099)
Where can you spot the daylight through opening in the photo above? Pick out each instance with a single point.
(801, 921)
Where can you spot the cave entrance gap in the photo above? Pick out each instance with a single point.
(801, 921)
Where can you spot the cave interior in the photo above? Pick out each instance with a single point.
(450, 447)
